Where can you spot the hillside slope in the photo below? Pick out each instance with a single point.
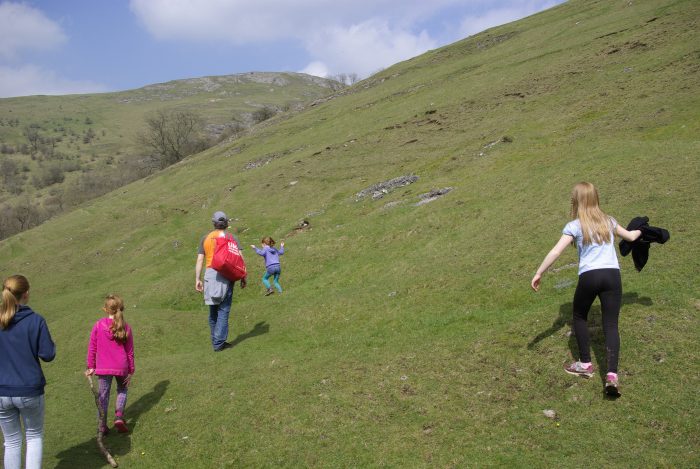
(407, 335)
(59, 151)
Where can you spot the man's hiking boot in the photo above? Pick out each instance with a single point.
(612, 388)
(578, 369)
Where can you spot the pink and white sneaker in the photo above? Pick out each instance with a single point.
(612, 388)
(120, 425)
(578, 369)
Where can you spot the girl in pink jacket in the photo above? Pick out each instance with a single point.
(111, 354)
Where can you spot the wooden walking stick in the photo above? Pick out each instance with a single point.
(100, 419)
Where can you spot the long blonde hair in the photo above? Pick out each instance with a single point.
(114, 306)
(595, 224)
(13, 288)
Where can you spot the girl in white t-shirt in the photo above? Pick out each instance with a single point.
(593, 232)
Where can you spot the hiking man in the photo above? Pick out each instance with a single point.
(217, 289)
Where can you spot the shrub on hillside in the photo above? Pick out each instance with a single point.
(48, 175)
(263, 114)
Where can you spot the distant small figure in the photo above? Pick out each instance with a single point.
(272, 263)
(111, 355)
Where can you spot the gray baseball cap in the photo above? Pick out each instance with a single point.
(219, 216)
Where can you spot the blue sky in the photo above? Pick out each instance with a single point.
(83, 46)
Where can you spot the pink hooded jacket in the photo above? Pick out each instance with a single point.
(107, 356)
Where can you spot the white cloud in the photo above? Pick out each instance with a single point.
(366, 47)
(245, 21)
(27, 80)
(339, 36)
(234, 21)
(316, 68)
(473, 24)
(25, 28)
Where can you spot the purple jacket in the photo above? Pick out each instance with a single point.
(107, 356)
(271, 255)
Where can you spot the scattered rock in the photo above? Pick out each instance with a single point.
(294, 183)
(489, 40)
(261, 161)
(379, 190)
(303, 225)
(393, 293)
(504, 139)
(392, 204)
(432, 195)
(550, 414)
(269, 157)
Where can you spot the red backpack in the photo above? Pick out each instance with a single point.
(227, 259)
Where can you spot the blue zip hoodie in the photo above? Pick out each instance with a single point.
(22, 343)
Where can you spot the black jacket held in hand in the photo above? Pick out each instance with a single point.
(640, 247)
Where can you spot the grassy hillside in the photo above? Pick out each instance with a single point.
(58, 151)
(407, 335)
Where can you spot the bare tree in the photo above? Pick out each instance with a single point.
(343, 80)
(31, 132)
(172, 135)
(26, 214)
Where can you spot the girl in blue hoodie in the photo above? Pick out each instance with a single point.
(24, 339)
(272, 263)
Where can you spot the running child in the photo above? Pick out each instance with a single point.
(272, 263)
(593, 232)
(111, 355)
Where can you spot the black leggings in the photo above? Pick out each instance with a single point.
(607, 285)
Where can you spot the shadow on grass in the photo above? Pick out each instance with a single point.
(87, 454)
(259, 329)
(566, 315)
(597, 337)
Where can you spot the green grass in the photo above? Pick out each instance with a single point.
(407, 335)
